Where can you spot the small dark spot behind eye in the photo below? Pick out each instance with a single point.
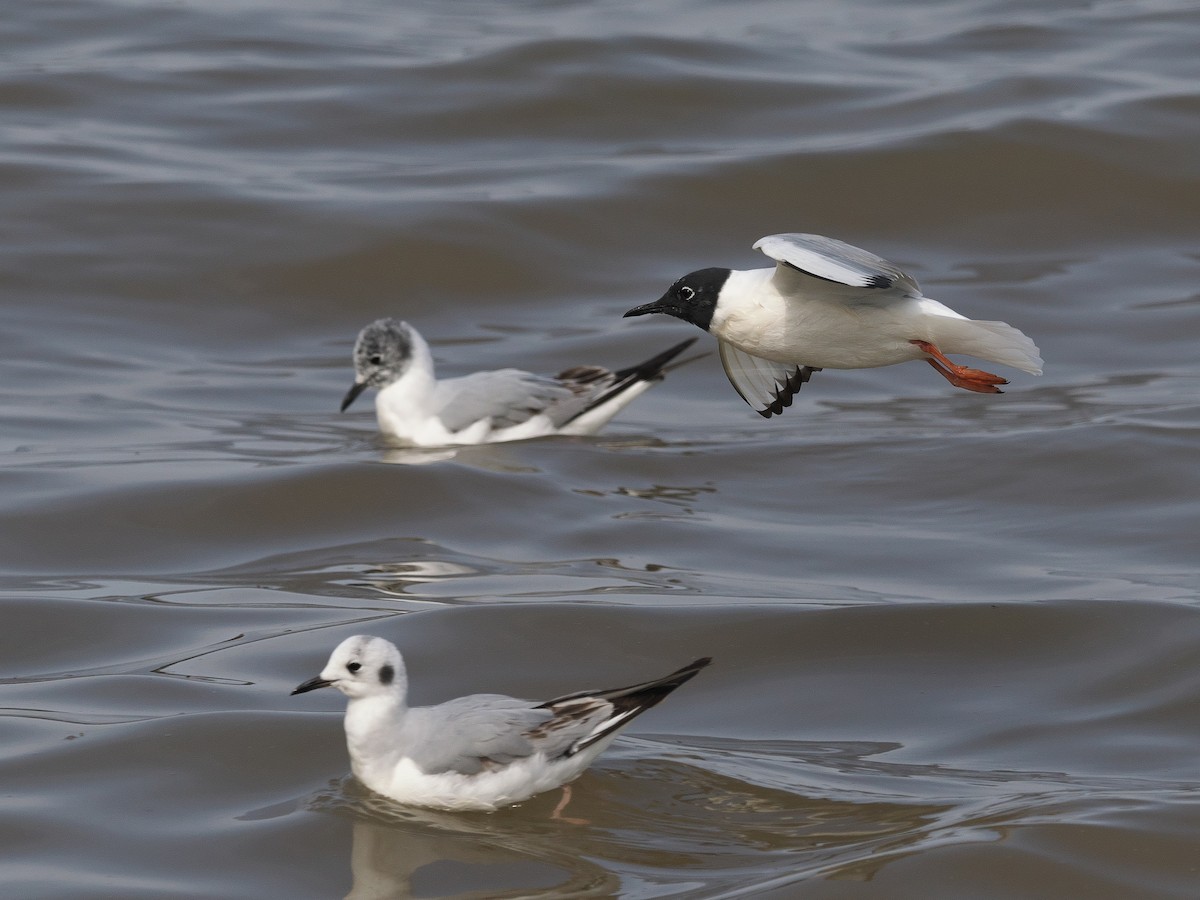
(376, 360)
(353, 667)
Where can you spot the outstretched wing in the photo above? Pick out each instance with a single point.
(835, 261)
(766, 385)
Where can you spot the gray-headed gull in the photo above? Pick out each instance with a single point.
(477, 752)
(416, 409)
(829, 305)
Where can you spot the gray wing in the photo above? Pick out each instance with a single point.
(833, 260)
(506, 396)
(472, 733)
(510, 396)
(766, 385)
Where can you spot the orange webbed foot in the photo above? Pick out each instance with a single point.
(964, 377)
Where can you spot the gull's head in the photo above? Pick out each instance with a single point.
(382, 354)
(361, 666)
(692, 298)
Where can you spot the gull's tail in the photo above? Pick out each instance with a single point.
(996, 342)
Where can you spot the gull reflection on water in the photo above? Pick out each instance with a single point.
(489, 457)
(400, 852)
(505, 456)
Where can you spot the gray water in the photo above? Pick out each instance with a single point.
(955, 635)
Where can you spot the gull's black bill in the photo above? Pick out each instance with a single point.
(311, 685)
(685, 306)
(355, 389)
(658, 306)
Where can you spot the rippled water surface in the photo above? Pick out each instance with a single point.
(956, 636)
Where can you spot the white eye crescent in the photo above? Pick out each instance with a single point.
(686, 293)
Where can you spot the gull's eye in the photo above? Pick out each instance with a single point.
(686, 293)
(376, 360)
(353, 667)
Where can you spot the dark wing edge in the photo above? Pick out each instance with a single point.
(627, 703)
(652, 369)
(868, 281)
(829, 259)
(767, 386)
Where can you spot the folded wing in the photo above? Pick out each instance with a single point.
(506, 396)
(471, 734)
(586, 718)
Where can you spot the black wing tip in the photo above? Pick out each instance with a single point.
(661, 686)
(642, 697)
(665, 685)
(636, 699)
(683, 673)
(655, 365)
(875, 282)
(783, 400)
(653, 369)
(786, 391)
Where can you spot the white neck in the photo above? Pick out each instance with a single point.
(372, 732)
(748, 304)
(404, 406)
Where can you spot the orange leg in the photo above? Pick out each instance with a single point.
(960, 376)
